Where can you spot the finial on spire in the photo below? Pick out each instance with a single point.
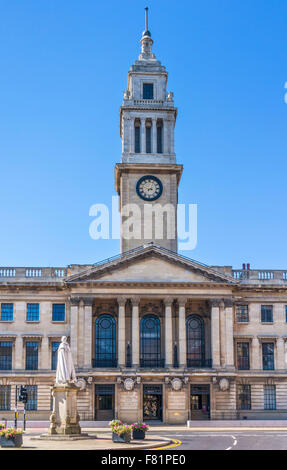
(146, 31)
(146, 18)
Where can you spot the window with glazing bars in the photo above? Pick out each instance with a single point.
(243, 356)
(5, 355)
(148, 91)
(55, 345)
(32, 398)
(58, 312)
(244, 397)
(32, 355)
(268, 356)
(6, 312)
(32, 312)
(242, 314)
(266, 313)
(5, 397)
(269, 397)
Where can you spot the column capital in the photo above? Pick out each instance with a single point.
(75, 301)
(228, 303)
(168, 301)
(215, 302)
(122, 301)
(135, 300)
(182, 301)
(88, 301)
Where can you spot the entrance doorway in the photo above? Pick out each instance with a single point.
(104, 402)
(152, 402)
(199, 402)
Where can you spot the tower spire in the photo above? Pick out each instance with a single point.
(146, 18)
(146, 41)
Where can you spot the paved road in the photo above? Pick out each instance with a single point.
(229, 441)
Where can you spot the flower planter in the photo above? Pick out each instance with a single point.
(15, 441)
(138, 434)
(126, 437)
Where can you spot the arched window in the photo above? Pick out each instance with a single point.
(148, 125)
(137, 136)
(150, 342)
(195, 341)
(159, 126)
(105, 341)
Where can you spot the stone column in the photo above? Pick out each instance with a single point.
(222, 328)
(215, 336)
(135, 332)
(74, 329)
(142, 132)
(256, 362)
(132, 136)
(88, 333)
(154, 136)
(280, 348)
(168, 332)
(19, 353)
(121, 332)
(229, 339)
(165, 136)
(182, 332)
(171, 136)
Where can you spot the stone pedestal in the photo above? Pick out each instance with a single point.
(64, 418)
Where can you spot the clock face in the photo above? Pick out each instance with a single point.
(149, 188)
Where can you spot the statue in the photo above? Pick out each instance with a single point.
(65, 373)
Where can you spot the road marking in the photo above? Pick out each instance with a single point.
(234, 443)
(176, 443)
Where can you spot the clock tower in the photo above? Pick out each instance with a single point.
(147, 177)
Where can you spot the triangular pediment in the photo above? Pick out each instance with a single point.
(151, 264)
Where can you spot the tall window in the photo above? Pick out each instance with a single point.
(243, 356)
(58, 312)
(244, 397)
(269, 397)
(268, 356)
(105, 346)
(32, 398)
(5, 355)
(242, 314)
(266, 313)
(150, 342)
(159, 136)
(55, 345)
(32, 349)
(32, 312)
(6, 312)
(148, 91)
(137, 136)
(148, 136)
(195, 341)
(5, 397)
(286, 313)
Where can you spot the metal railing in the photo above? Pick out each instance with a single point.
(105, 362)
(150, 363)
(198, 363)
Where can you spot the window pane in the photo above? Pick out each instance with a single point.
(242, 314)
(268, 356)
(32, 312)
(148, 91)
(266, 313)
(243, 356)
(148, 139)
(58, 312)
(159, 139)
(5, 355)
(55, 346)
(244, 397)
(32, 356)
(5, 397)
(7, 312)
(32, 398)
(269, 397)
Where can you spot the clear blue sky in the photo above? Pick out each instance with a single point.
(64, 68)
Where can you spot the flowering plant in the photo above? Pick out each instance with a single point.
(120, 429)
(115, 422)
(139, 426)
(9, 433)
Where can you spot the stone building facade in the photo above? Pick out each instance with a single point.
(154, 335)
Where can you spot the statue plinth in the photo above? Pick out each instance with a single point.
(64, 418)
